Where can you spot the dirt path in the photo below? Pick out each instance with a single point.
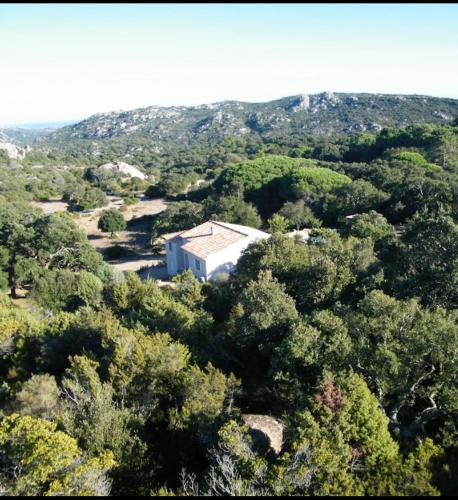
(87, 222)
(135, 240)
(49, 207)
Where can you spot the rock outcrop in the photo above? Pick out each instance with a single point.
(265, 428)
(13, 151)
(124, 169)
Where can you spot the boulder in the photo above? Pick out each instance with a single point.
(266, 431)
(124, 169)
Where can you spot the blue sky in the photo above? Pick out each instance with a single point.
(64, 62)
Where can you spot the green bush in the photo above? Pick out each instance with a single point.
(111, 221)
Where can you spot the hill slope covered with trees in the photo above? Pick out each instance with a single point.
(149, 132)
(314, 114)
(349, 340)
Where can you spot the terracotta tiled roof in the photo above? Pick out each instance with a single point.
(213, 236)
(170, 236)
(247, 230)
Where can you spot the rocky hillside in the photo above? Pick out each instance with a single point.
(311, 114)
(123, 169)
(11, 148)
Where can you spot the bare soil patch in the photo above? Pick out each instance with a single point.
(51, 206)
(135, 241)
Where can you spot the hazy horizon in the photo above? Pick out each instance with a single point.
(65, 62)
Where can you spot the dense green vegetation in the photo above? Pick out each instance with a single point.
(111, 221)
(142, 131)
(114, 385)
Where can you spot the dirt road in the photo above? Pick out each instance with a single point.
(135, 240)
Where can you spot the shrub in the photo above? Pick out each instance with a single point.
(111, 221)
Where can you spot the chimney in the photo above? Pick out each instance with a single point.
(213, 230)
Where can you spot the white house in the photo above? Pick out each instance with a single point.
(211, 248)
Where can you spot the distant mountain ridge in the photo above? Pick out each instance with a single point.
(24, 136)
(322, 113)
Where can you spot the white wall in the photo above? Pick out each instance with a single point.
(171, 256)
(225, 260)
(192, 265)
(174, 257)
(222, 262)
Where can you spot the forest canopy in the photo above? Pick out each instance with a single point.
(346, 340)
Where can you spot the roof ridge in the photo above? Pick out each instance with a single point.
(195, 227)
(231, 228)
(171, 235)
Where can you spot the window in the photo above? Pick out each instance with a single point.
(170, 245)
(198, 264)
(186, 261)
